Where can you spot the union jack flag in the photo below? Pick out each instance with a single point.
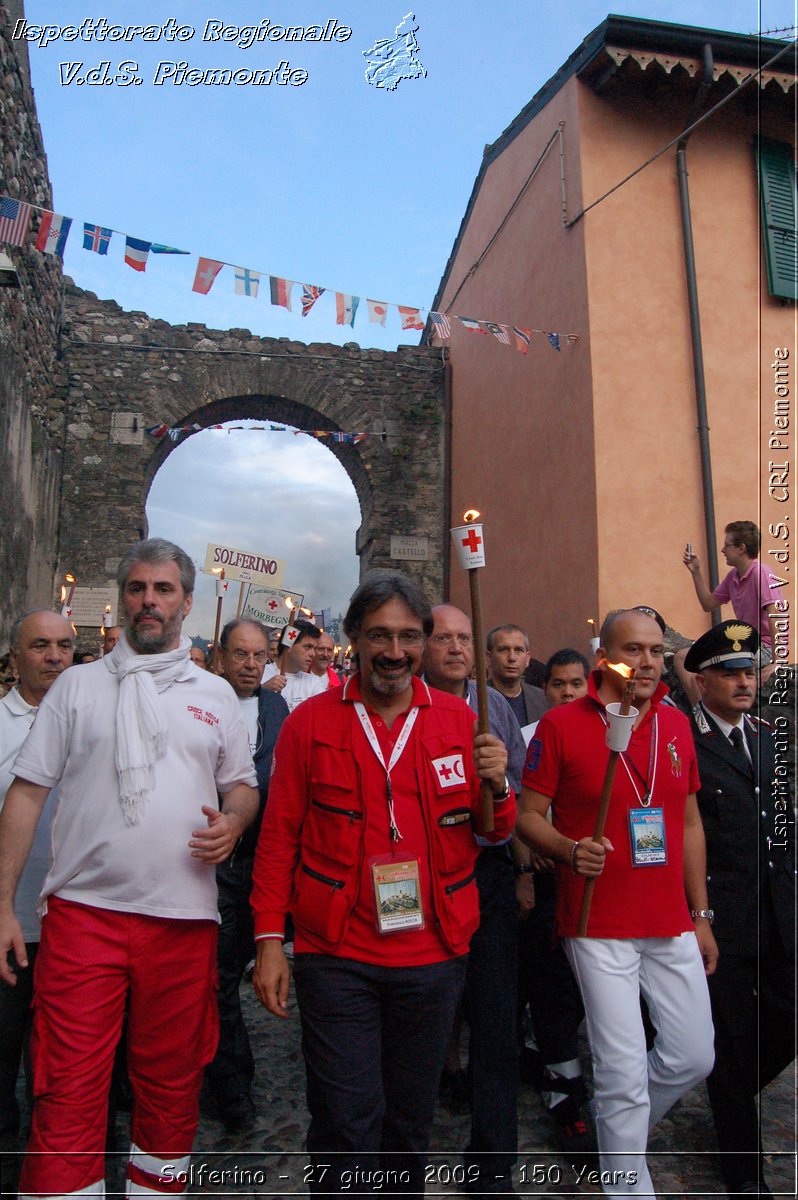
(14, 220)
(310, 294)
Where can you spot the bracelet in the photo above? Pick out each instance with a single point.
(523, 869)
(573, 858)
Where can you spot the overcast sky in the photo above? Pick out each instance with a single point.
(332, 182)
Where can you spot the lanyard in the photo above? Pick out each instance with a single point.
(396, 754)
(644, 797)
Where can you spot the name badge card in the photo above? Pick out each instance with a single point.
(397, 894)
(647, 829)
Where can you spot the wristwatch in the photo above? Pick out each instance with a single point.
(707, 913)
(497, 797)
(523, 869)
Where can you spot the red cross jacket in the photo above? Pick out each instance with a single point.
(327, 817)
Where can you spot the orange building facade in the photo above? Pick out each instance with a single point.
(585, 462)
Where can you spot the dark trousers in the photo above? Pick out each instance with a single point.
(753, 1010)
(491, 1008)
(230, 1074)
(15, 1023)
(374, 1041)
(546, 980)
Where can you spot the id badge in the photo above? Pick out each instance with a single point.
(647, 829)
(397, 894)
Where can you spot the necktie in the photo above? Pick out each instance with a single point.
(737, 740)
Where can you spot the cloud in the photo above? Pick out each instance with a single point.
(272, 494)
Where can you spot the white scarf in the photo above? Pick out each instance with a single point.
(140, 727)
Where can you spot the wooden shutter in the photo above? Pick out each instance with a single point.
(776, 162)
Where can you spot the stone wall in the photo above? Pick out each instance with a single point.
(29, 376)
(126, 372)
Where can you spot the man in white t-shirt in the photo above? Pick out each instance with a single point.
(140, 744)
(291, 675)
(41, 644)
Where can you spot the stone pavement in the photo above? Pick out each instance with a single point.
(270, 1161)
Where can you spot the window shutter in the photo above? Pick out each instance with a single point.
(776, 162)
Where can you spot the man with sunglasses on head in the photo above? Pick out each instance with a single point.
(227, 1094)
(369, 836)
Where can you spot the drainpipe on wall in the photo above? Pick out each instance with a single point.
(695, 327)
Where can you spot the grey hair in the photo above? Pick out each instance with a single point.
(236, 623)
(157, 550)
(16, 628)
(377, 589)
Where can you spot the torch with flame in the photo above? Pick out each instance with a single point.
(67, 593)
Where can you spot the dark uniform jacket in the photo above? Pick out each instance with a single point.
(750, 873)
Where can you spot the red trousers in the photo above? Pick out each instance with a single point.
(90, 961)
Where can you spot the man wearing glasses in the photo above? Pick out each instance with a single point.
(369, 835)
(228, 1079)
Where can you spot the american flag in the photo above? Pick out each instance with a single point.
(14, 220)
(310, 294)
(442, 322)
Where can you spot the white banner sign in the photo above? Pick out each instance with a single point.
(243, 566)
(269, 606)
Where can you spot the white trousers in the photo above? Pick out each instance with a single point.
(634, 1089)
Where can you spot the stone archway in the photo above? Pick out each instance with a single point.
(126, 373)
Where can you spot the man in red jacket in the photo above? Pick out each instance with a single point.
(368, 838)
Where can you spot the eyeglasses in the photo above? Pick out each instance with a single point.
(449, 639)
(242, 656)
(381, 637)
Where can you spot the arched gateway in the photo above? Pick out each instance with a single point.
(126, 373)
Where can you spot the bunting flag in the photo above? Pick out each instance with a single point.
(207, 270)
(310, 294)
(280, 290)
(471, 325)
(500, 332)
(136, 253)
(53, 233)
(158, 431)
(410, 317)
(442, 324)
(15, 218)
(51, 237)
(247, 282)
(345, 308)
(377, 311)
(175, 432)
(96, 238)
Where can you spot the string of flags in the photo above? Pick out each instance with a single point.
(175, 433)
(16, 217)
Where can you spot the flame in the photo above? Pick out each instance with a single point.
(69, 577)
(108, 608)
(217, 571)
(289, 603)
(622, 669)
(470, 515)
(591, 622)
(63, 594)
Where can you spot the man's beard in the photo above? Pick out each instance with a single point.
(393, 686)
(154, 641)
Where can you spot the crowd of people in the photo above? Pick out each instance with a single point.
(173, 820)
